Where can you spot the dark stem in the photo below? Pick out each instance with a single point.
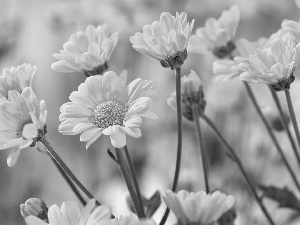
(271, 134)
(235, 158)
(128, 172)
(65, 168)
(201, 147)
(285, 124)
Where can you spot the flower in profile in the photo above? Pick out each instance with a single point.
(70, 214)
(16, 79)
(191, 94)
(22, 122)
(217, 36)
(106, 105)
(198, 208)
(165, 40)
(87, 51)
(34, 207)
(274, 66)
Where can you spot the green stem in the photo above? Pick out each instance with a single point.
(201, 147)
(271, 134)
(285, 124)
(65, 168)
(235, 158)
(128, 172)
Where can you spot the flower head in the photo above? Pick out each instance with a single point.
(22, 122)
(34, 207)
(70, 214)
(106, 105)
(16, 79)
(217, 36)
(200, 208)
(87, 51)
(165, 40)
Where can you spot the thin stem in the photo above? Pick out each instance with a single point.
(285, 124)
(201, 147)
(179, 138)
(66, 169)
(128, 172)
(240, 166)
(272, 136)
(292, 114)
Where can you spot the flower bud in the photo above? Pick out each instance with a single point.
(34, 207)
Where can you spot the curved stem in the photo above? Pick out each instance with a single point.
(235, 158)
(66, 169)
(285, 124)
(201, 147)
(271, 134)
(128, 172)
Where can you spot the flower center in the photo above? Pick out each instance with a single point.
(22, 126)
(109, 113)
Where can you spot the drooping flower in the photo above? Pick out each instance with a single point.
(70, 214)
(87, 51)
(16, 79)
(22, 122)
(165, 40)
(191, 93)
(217, 36)
(198, 208)
(106, 105)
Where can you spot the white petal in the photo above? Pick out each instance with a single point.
(13, 156)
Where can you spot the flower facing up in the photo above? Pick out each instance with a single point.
(274, 66)
(165, 40)
(70, 214)
(22, 122)
(106, 105)
(198, 208)
(87, 51)
(217, 35)
(191, 94)
(16, 79)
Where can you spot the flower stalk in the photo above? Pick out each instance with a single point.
(128, 172)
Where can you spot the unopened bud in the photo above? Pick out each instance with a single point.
(35, 207)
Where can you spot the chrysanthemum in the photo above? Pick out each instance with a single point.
(275, 66)
(87, 51)
(16, 79)
(217, 36)
(165, 40)
(70, 214)
(198, 208)
(22, 122)
(106, 105)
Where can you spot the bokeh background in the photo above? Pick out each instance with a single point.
(32, 31)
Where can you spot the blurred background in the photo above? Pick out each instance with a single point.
(32, 31)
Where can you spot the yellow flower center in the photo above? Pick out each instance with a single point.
(109, 113)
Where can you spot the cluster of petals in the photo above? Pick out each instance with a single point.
(107, 105)
(164, 38)
(86, 50)
(16, 79)
(216, 33)
(22, 118)
(198, 208)
(292, 27)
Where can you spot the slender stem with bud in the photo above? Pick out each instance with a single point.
(201, 147)
(285, 125)
(284, 159)
(236, 159)
(128, 172)
(66, 169)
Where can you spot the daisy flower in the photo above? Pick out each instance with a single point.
(22, 122)
(106, 105)
(70, 214)
(87, 51)
(198, 208)
(217, 36)
(165, 40)
(16, 79)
